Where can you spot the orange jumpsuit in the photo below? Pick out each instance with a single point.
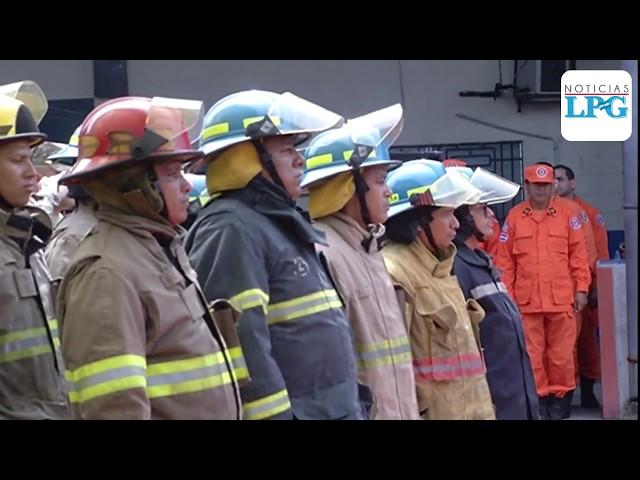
(544, 261)
(588, 355)
(592, 257)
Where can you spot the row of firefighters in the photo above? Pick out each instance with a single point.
(394, 295)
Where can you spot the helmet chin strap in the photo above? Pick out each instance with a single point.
(258, 130)
(153, 181)
(360, 153)
(427, 231)
(361, 189)
(267, 163)
(426, 228)
(476, 233)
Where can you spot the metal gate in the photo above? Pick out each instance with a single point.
(502, 158)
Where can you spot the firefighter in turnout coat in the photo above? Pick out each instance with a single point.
(251, 244)
(442, 325)
(509, 373)
(349, 199)
(138, 336)
(32, 385)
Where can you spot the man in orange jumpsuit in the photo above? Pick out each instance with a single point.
(588, 357)
(543, 256)
(592, 257)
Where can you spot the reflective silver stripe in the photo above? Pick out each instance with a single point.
(238, 363)
(251, 301)
(22, 344)
(106, 376)
(488, 289)
(268, 406)
(303, 306)
(251, 298)
(96, 379)
(179, 377)
(384, 352)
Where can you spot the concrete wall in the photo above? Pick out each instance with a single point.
(60, 79)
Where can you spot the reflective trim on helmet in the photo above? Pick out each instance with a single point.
(422, 189)
(327, 158)
(248, 121)
(320, 160)
(220, 128)
(394, 198)
(213, 130)
(348, 153)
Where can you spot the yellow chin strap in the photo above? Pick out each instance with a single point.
(234, 168)
(331, 196)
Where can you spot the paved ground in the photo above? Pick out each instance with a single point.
(579, 413)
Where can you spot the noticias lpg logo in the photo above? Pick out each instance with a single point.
(596, 105)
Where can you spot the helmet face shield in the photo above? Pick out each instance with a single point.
(363, 141)
(68, 153)
(495, 189)
(292, 115)
(452, 190)
(252, 114)
(30, 94)
(387, 121)
(416, 184)
(170, 118)
(22, 106)
(386, 125)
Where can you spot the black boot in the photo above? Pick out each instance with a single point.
(543, 407)
(556, 408)
(567, 404)
(587, 397)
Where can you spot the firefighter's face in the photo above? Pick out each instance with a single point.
(482, 219)
(288, 161)
(443, 227)
(377, 197)
(18, 176)
(175, 190)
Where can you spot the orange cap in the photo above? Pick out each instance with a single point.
(538, 173)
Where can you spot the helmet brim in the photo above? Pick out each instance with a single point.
(66, 152)
(323, 174)
(35, 139)
(397, 209)
(85, 167)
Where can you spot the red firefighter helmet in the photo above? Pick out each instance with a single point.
(131, 130)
